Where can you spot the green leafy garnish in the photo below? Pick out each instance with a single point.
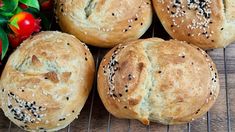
(5, 42)
(9, 6)
(31, 3)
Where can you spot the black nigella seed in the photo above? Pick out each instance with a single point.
(159, 71)
(68, 43)
(210, 93)
(73, 111)
(172, 25)
(67, 98)
(85, 59)
(197, 111)
(9, 106)
(136, 19)
(222, 29)
(141, 23)
(183, 56)
(125, 107)
(120, 95)
(113, 14)
(129, 77)
(62, 119)
(126, 90)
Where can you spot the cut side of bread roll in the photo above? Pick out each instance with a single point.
(205, 23)
(46, 81)
(104, 23)
(170, 82)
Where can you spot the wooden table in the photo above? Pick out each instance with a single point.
(95, 118)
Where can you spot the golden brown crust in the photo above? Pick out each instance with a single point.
(207, 24)
(104, 23)
(46, 81)
(170, 82)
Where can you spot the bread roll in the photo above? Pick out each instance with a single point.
(169, 82)
(205, 23)
(104, 23)
(46, 81)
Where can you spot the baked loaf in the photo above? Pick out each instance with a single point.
(169, 82)
(104, 23)
(205, 23)
(46, 81)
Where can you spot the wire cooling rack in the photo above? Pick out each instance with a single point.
(95, 118)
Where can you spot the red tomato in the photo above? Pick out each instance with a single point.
(47, 5)
(1, 3)
(14, 40)
(23, 6)
(26, 24)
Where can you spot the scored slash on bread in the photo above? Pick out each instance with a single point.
(104, 23)
(46, 81)
(170, 82)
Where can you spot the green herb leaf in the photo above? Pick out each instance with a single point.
(7, 14)
(9, 5)
(5, 42)
(18, 10)
(3, 20)
(14, 23)
(31, 3)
